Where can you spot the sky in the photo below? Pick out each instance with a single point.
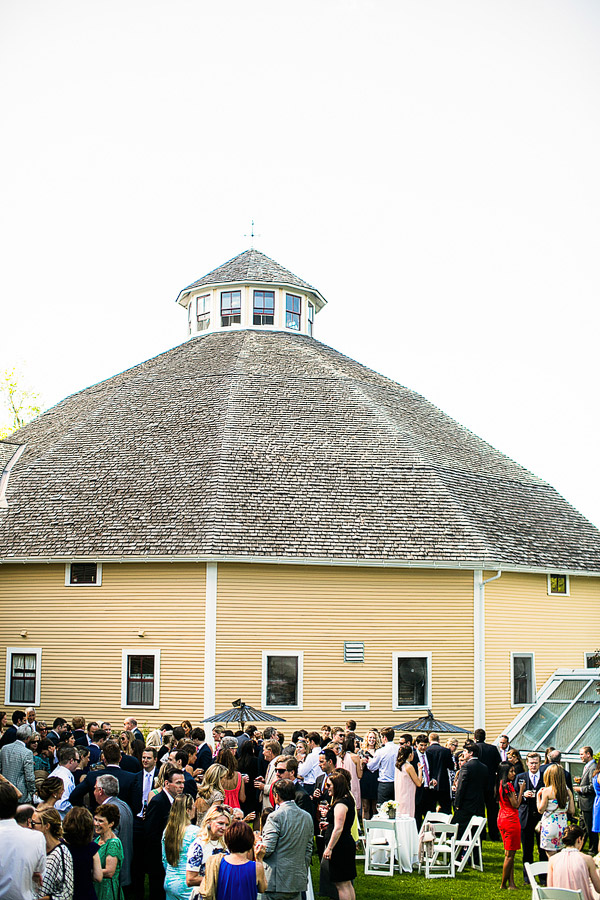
(430, 166)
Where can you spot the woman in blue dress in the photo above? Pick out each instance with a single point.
(179, 834)
(240, 876)
(596, 811)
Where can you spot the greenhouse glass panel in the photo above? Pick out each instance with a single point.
(568, 690)
(591, 737)
(565, 732)
(537, 726)
(592, 692)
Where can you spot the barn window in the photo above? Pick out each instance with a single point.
(264, 308)
(523, 679)
(558, 584)
(282, 673)
(23, 669)
(292, 311)
(140, 678)
(411, 679)
(231, 308)
(83, 574)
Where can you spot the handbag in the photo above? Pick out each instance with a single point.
(208, 885)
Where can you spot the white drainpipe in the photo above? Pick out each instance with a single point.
(479, 645)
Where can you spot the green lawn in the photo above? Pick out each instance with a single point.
(469, 885)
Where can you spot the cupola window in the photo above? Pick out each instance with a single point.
(264, 307)
(292, 311)
(231, 308)
(311, 318)
(203, 312)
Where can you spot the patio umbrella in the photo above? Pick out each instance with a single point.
(242, 713)
(428, 723)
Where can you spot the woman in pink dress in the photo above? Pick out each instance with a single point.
(352, 763)
(406, 781)
(573, 869)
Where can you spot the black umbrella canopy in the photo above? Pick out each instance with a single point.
(242, 713)
(428, 723)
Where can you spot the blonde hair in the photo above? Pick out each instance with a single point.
(130, 738)
(212, 781)
(52, 818)
(554, 777)
(154, 739)
(177, 822)
(377, 739)
(215, 812)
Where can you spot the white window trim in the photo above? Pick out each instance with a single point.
(140, 651)
(68, 576)
(423, 654)
(300, 655)
(531, 654)
(355, 705)
(10, 651)
(568, 586)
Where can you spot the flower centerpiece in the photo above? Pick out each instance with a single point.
(389, 808)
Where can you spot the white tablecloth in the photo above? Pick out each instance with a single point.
(407, 839)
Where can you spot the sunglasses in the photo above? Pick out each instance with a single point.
(281, 771)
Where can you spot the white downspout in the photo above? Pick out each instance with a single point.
(210, 640)
(479, 646)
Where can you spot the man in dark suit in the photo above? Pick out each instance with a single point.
(204, 758)
(470, 790)
(157, 814)
(554, 759)
(130, 724)
(112, 757)
(288, 769)
(528, 812)
(10, 735)
(440, 763)
(78, 730)
(587, 794)
(143, 784)
(95, 746)
(489, 755)
(504, 747)
(327, 764)
(60, 729)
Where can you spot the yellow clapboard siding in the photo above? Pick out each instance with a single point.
(521, 617)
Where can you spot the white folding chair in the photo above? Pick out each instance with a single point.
(555, 893)
(384, 844)
(361, 844)
(434, 817)
(534, 870)
(470, 845)
(440, 862)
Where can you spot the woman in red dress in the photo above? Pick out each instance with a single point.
(508, 821)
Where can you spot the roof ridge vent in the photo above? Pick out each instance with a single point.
(5, 474)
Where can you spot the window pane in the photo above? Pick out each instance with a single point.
(522, 680)
(83, 573)
(140, 680)
(282, 681)
(569, 727)
(568, 689)
(22, 681)
(412, 681)
(592, 736)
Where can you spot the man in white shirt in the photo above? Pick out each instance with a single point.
(309, 770)
(384, 762)
(68, 760)
(22, 851)
(503, 747)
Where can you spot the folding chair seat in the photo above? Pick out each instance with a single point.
(361, 844)
(469, 845)
(534, 870)
(384, 843)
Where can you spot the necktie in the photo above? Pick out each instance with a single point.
(425, 770)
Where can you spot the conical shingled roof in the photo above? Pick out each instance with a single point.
(250, 444)
(253, 266)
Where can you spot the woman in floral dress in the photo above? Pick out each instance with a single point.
(554, 801)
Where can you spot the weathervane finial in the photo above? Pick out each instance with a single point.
(252, 235)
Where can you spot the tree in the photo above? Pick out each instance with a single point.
(18, 403)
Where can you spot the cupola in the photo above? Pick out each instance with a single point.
(250, 291)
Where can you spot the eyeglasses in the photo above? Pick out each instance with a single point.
(223, 808)
(281, 771)
(34, 823)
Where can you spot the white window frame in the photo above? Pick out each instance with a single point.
(531, 654)
(77, 562)
(140, 651)
(13, 651)
(411, 654)
(568, 586)
(355, 705)
(300, 655)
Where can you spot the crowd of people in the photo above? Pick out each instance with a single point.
(104, 812)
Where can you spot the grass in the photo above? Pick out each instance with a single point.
(469, 885)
